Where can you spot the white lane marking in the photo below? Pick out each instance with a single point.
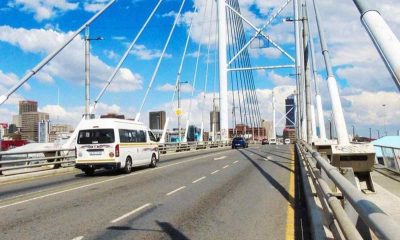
(198, 180)
(235, 162)
(130, 213)
(226, 166)
(219, 158)
(251, 154)
(215, 172)
(78, 238)
(267, 158)
(176, 190)
(104, 181)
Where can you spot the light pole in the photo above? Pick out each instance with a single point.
(87, 70)
(384, 118)
(179, 113)
(379, 135)
(354, 135)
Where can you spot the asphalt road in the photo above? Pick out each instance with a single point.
(230, 194)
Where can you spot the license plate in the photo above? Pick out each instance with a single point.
(96, 153)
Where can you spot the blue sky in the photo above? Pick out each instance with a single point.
(32, 29)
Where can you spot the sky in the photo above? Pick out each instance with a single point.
(30, 30)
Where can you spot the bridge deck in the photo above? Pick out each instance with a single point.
(230, 194)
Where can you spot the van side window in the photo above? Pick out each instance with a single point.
(151, 136)
(142, 136)
(124, 136)
(134, 136)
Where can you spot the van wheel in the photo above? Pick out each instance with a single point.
(153, 162)
(128, 166)
(89, 171)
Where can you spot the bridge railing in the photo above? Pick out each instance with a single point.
(66, 157)
(322, 174)
(390, 157)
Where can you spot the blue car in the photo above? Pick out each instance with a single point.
(239, 142)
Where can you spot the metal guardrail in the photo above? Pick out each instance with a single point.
(383, 226)
(66, 157)
(391, 157)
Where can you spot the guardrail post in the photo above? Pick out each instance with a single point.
(362, 228)
(56, 159)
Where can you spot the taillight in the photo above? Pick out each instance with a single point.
(117, 150)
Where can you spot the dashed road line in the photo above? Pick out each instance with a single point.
(198, 180)
(235, 162)
(78, 238)
(219, 158)
(131, 212)
(214, 172)
(176, 190)
(226, 166)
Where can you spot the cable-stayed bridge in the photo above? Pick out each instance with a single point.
(313, 188)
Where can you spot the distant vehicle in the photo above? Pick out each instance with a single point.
(272, 141)
(264, 141)
(239, 142)
(287, 141)
(115, 144)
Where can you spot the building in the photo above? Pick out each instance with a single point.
(27, 106)
(57, 131)
(157, 120)
(247, 132)
(267, 126)
(193, 133)
(30, 126)
(290, 133)
(3, 130)
(43, 131)
(215, 121)
(290, 111)
(17, 121)
(12, 128)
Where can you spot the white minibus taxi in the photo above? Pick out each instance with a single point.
(272, 141)
(115, 144)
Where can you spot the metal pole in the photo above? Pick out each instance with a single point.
(179, 107)
(307, 76)
(318, 102)
(370, 134)
(298, 68)
(223, 77)
(37, 68)
(87, 73)
(273, 116)
(337, 110)
(384, 39)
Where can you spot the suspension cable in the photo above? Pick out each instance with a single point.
(159, 61)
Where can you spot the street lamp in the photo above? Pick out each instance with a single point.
(384, 118)
(179, 108)
(87, 70)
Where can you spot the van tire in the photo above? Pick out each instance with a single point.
(89, 171)
(128, 166)
(153, 162)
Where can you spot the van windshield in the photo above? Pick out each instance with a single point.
(93, 136)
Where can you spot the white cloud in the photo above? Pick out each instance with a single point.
(144, 53)
(43, 9)
(111, 54)
(170, 88)
(280, 80)
(69, 64)
(94, 5)
(169, 14)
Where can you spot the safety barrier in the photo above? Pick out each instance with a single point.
(66, 157)
(390, 157)
(323, 175)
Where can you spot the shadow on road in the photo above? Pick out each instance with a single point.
(270, 179)
(172, 232)
(279, 163)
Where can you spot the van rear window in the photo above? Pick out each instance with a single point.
(94, 136)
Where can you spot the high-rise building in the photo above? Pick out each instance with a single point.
(27, 106)
(290, 112)
(29, 127)
(43, 131)
(3, 130)
(193, 134)
(157, 120)
(215, 120)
